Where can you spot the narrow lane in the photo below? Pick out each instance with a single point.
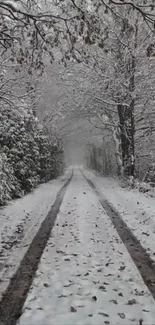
(86, 275)
(20, 220)
(14, 297)
(140, 256)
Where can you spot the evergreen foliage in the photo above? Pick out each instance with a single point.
(28, 156)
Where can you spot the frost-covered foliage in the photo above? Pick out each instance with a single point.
(28, 155)
(9, 185)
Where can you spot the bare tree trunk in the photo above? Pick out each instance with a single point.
(127, 131)
(126, 113)
(118, 150)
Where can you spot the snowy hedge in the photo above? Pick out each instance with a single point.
(27, 155)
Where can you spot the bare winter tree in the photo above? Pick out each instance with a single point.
(105, 36)
(114, 88)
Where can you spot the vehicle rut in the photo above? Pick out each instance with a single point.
(15, 295)
(141, 258)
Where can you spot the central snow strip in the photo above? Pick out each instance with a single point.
(86, 275)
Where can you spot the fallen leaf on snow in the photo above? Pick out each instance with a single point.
(103, 314)
(121, 315)
(132, 302)
(68, 285)
(46, 285)
(145, 233)
(94, 298)
(102, 288)
(114, 301)
(73, 309)
(109, 274)
(95, 282)
(146, 311)
(122, 268)
(60, 252)
(86, 274)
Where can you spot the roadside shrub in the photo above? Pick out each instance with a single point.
(27, 154)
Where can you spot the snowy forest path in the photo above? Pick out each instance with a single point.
(86, 275)
(85, 271)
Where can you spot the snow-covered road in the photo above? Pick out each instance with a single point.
(136, 209)
(86, 275)
(20, 221)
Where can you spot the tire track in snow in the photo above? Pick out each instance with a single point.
(16, 293)
(142, 260)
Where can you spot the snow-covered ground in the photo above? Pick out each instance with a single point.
(86, 275)
(19, 222)
(137, 209)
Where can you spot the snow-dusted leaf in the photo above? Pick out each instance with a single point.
(122, 315)
(73, 309)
